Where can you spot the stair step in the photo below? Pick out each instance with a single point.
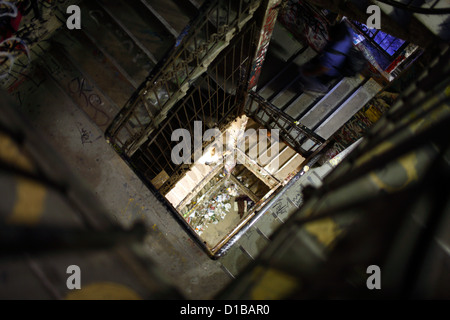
(110, 36)
(235, 260)
(272, 151)
(204, 169)
(351, 106)
(267, 223)
(282, 44)
(137, 22)
(176, 14)
(285, 154)
(79, 86)
(102, 71)
(253, 243)
(283, 49)
(173, 198)
(199, 171)
(259, 148)
(290, 166)
(287, 76)
(301, 105)
(309, 146)
(330, 101)
(181, 190)
(281, 148)
(195, 177)
(283, 98)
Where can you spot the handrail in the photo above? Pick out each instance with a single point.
(293, 133)
(208, 35)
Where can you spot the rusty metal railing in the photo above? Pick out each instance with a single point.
(207, 36)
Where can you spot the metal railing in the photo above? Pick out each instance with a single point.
(206, 37)
(214, 101)
(300, 138)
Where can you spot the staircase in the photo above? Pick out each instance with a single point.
(317, 117)
(256, 235)
(121, 42)
(263, 165)
(323, 114)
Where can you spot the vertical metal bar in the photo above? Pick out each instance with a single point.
(228, 12)
(157, 98)
(217, 14)
(148, 165)
(137, 119)
(155, 161)
(167, 90)
(126, 127)
(179, 121)
(217, 96)
(225, 76)
(164, 155)
(239, 11)
(170, 125)
(201, 103)
(188, 120)
(209, 96)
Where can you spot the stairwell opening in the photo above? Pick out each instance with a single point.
(202, 194)
(238, 172)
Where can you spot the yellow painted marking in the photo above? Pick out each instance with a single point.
(380, 149)
(272, 284)
(325, 230)
(30, 200)
(408, 163)
(447, 91)
(103, 291)
(10, 153)
(132, 210)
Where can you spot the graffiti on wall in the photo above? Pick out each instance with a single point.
(363, 120)
(22, 24)
(266, 34)
(305, 23)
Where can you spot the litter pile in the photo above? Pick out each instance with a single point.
(212, 206)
